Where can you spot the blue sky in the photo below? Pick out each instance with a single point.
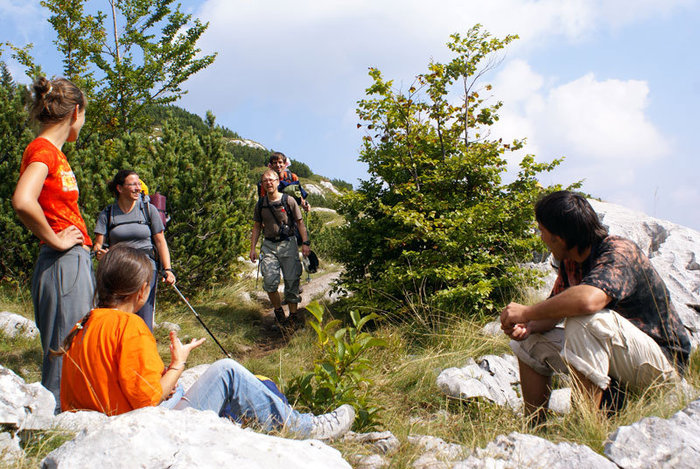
(614, 86)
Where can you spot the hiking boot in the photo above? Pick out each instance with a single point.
(297, 319)
(279, 315)
(333, 424)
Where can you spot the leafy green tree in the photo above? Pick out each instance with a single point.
(19, 249)
(137, 54)
(435, 224)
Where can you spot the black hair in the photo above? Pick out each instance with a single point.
(276, 155)
(118, 180)
(571, 217)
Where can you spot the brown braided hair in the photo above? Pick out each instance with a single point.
(120, 274)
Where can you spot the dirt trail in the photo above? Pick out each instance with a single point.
(273, 337)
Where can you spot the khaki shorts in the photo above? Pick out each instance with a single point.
(284, 256)
(598, 346)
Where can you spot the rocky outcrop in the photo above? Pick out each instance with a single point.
(518, 450)
(157, 437)
(148, 437)
(654, 442)
(496, 379)
(492, 377)
(24, 406)
(12, 325)
(674, 250)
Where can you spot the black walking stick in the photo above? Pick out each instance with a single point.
(200, 320)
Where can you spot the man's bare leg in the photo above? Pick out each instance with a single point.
(275, 299)
(592, 393)
(536, 391)
(292, 308)
(277, 304)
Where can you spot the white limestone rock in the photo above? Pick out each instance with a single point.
(312, 189)
(381, 442)
(167, 326)
(157, 437)
(369, 461)
(560, 401)
(24, 406)
(518, 450)
(436, 452)
(492, 329)
(653, 442)
(245, 142)
(12, 325)
(330, 187)
(492, 377)
(10, 451)
(80, 421)
(674, 250)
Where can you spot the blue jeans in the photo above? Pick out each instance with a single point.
(227, 383)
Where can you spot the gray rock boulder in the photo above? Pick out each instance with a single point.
(10, 451)
(79, 421)
(654, 442)
(674, 250)
(491, 377)
(12, 325)
(157, 437)
(369, 461)
(436, 453)
(518, 450)
(496, 379)
(24, 406)
(379, 442)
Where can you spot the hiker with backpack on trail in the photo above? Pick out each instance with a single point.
(279, 219)
(131, 219)
(288, 181)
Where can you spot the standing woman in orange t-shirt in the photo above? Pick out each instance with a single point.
(46, 200)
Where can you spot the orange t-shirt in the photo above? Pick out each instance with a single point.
(59, 195)
(112, 365)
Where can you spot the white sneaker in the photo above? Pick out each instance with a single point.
(333, 424)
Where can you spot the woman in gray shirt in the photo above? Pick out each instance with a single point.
(132, 220)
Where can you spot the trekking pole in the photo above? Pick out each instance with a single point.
(200, 320)
(307, 217)
(257, 271)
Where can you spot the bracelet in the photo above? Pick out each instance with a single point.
(175, 368)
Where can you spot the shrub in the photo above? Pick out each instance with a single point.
(435, 214)
(339, 373)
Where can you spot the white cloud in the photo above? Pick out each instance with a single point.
(603, 119)
(599, 120)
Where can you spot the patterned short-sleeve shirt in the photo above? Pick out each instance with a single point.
(618, 267)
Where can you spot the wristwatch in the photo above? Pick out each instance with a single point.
(306, 243)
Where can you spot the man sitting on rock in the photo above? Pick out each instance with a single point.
(618, 320)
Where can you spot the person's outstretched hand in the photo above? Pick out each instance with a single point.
(179, 351)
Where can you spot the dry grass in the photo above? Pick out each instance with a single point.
(404, 374)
